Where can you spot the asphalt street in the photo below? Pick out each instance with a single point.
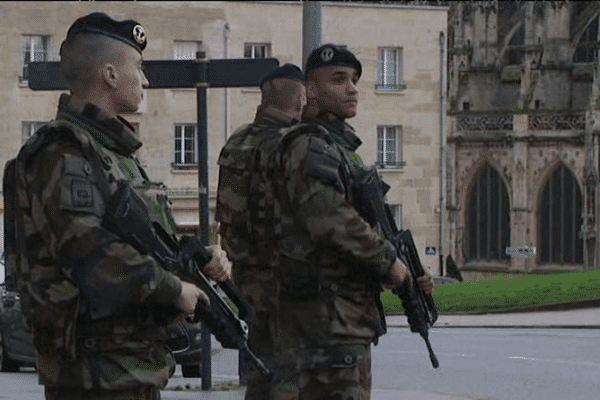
(548, 355)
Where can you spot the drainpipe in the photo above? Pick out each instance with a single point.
(226, 93)
(442, 180)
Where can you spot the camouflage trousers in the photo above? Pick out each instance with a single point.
(341, 373)
(142, 393)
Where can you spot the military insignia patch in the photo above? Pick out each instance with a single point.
(82, 193)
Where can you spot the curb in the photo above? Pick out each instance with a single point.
(556, 306)
(457, 326)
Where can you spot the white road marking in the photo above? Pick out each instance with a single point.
(558, 361)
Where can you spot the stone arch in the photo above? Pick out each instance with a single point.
(486, 215)
(506, 42)
(590, 28)
(558, 213)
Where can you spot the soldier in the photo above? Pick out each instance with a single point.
(99, 308)
(333, 264)
(247, 236)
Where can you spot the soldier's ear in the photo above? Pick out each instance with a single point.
(311, 90)
(110, 75)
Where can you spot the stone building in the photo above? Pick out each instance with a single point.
(522, 136)
(399, 91)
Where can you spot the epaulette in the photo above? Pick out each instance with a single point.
(54, 131)
(292, 133)
(60, 130)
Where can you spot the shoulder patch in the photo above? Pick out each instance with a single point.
(79, 189)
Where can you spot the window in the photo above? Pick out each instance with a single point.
(389, 147)
(257, 50)
(514, 52)
(186, 50)
(489, 218)
(586, 48)
(560, 242)
(29, 128)
(389, 69)
(186, 145)
(33, 48)
(396, 210)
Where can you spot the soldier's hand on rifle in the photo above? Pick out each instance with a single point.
(219, 267)
(188, 298)
(399, 275)
(426, 282)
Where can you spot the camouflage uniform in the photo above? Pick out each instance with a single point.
(304, 257)
(98, 308)
(332, 263)
(248, 216)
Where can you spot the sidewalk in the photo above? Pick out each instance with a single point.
(586, 318)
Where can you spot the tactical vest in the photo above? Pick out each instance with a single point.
(248, 205)
(106, 169)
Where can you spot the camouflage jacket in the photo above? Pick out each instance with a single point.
(249, 217)
(332, 261)
(92, 300)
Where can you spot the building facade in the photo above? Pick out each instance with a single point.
(522, 136)
(399, 91)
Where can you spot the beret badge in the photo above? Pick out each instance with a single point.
(327, 54)
(139, 34)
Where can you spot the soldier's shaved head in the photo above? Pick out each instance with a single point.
(83, 55)
(284, 94)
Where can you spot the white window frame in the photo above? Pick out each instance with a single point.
(28, 128)
(390, 69)
(389, 135)
(180, 140)
(253, 49)
(186, 49)
(29, 44)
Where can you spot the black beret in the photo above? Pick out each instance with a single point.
(289, 71)
(330, 54)
(128, 31)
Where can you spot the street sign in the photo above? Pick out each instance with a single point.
(430, 250)
(521, 251)
(171, 74)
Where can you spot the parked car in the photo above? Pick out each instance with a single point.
(17, 350)
(16, 343)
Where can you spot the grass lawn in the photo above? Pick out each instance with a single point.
(498, 293)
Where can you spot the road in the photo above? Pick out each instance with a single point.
(498, 364)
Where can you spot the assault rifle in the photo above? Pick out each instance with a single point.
(419, 308)
(127, 217)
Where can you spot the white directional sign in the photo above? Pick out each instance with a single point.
(521, 251)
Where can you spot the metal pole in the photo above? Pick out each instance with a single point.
(226, 94)
(312, 32)
(442, 180)
(202, 147)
